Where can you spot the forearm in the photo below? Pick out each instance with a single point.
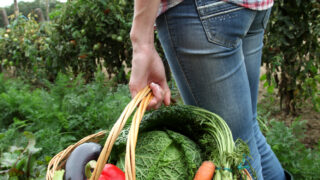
(147, 66)
(145, 13)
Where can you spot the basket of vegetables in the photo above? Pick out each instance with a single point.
(176, 142)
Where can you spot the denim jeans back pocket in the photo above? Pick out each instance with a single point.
(224, 23)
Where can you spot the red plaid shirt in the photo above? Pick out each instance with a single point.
(251, 4)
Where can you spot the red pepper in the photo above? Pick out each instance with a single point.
(112, 172)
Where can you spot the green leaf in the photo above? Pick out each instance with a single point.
(270, 89)
(7, 160)
(263, 77)
(58, 175)
(89, 167)
(47, 158)
(31, 143)
(2, 135)
(15, 149)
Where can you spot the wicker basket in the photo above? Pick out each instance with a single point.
(143, 97)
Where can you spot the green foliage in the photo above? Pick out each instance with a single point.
(164, 155)
(206, 129)
(61, 114)
(21, 162)
(302, 162)
(26, 8)
(292, 52)
(82, 37)
(58, 175)
(91, 33)
(287, 140)
(23, 46)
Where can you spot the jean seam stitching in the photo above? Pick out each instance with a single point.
(182, 69)
(211, 37)
(211, 5)
(221, 13)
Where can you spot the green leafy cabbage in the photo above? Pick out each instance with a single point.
(164, 155)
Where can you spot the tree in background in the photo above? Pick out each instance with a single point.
(26, 8)
(16, 8)
(4, 17)
(292, 52)
(40, 15)
(90, 34)
(47, 9)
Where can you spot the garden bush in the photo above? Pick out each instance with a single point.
(38, 122)
(59, 114)
(23, 48)
(286, 142)
(81, 37)
(84, 35)
(292, 52)
(91, 33)
(26, 8)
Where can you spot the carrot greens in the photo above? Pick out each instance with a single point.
(207, 130)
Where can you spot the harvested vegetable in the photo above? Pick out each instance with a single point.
(208, 131)
(164, 155)
(111, 172)
(205, 171)
(58, 175)
(78, 159)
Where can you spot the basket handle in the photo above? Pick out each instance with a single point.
(130, 164)
(144, 95)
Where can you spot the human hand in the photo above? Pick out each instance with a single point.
(148, 69)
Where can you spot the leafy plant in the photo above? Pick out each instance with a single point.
(61, 114)
(206, 129)
(23, 46)
(291, 52)
(164, 155)
(82, 37)
(21, 162)
(302, 162)
(91, 33)
(26, 8)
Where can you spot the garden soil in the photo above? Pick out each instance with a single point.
(305, 112)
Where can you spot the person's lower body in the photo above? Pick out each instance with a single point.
(214, 52)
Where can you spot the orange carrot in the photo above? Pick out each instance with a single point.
(205, 171)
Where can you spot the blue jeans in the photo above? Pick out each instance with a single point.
(214, 52)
